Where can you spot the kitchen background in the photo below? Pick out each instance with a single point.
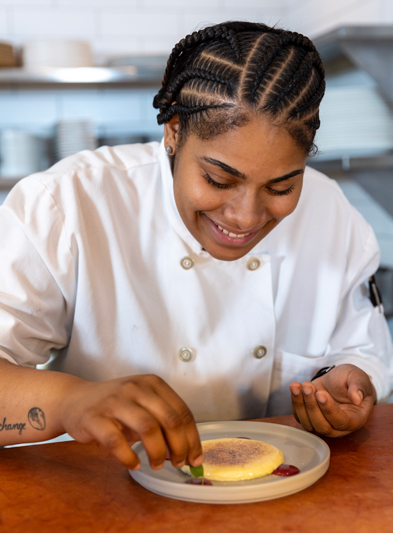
(54, 113)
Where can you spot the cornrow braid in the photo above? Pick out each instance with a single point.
(234, 43)
(186, 111)
(192, 74)
(243, 68)
(290, 81)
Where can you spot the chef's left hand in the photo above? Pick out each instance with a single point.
(335, 404)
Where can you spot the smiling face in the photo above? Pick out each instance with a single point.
(233, 189)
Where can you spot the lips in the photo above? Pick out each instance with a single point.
(229, 236)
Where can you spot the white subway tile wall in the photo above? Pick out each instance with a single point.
(313, 17)
(39, 22)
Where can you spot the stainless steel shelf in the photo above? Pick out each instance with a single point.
(84, 76)
(369, 48)
(331, 45)
(383, 161)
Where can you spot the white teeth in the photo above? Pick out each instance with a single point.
(233, 235)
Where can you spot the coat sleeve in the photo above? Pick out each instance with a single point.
(362, 336)
(37, 276)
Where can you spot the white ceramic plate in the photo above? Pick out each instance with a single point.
(304, 450)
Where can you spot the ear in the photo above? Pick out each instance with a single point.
(171, 133)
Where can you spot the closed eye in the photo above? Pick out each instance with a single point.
(215, 183)
(282, 193)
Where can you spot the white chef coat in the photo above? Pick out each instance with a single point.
(94, 268)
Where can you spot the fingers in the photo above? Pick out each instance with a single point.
(108, 433)
(317, 411)
(157, 425)
(359, 386)
(298, 406)
(153, 411)
(194, 448)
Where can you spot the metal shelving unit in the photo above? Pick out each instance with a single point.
(144, 72)
(82, 77)
(367, 47)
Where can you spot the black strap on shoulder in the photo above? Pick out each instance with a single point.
(375, 295)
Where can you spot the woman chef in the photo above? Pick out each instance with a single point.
(212, 275)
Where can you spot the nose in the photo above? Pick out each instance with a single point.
(245, 211)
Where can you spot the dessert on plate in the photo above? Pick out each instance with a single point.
(235, 459)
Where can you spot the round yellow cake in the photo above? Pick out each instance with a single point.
(238, 459)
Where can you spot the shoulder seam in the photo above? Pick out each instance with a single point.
(57, 209)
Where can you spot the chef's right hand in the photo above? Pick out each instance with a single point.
(133, 408)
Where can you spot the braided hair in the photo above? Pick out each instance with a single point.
(217, 78)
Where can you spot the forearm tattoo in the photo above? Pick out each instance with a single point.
(36, 418)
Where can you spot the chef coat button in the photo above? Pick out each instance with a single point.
(259, 352)
(253, 263)
(185, 355)
(187, 263)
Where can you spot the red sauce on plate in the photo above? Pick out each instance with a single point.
(198, 481)
(286, 470)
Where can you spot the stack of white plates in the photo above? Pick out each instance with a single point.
(355, 121)
(72, 136)
(21, 153)
(7, 56)
(116, 140)
(57, 53)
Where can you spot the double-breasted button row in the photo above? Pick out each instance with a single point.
(185, 354)
(187, 263)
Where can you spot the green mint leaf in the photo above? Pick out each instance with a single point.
(197, 471)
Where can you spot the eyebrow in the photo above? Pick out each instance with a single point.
(238, 174)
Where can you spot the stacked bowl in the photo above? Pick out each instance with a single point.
(21, 153)
(73, 136)
(57, 53)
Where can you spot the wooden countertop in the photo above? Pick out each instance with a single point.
(72, 487)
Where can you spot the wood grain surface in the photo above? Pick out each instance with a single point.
(72, 487)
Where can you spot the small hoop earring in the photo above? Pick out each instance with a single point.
(169, 150)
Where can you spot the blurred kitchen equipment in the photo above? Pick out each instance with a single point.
(57, 53)
(115, 140)
(8, 57)
(355, 121)
(143, 64)
(21, 153)
(72, 136)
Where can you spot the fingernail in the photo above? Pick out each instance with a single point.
(307, 390)
(197, 461)
(158, 467)
(179, 465)
(321, 399)
(361, 395)
(135, 467)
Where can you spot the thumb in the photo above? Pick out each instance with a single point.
(359, 386)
